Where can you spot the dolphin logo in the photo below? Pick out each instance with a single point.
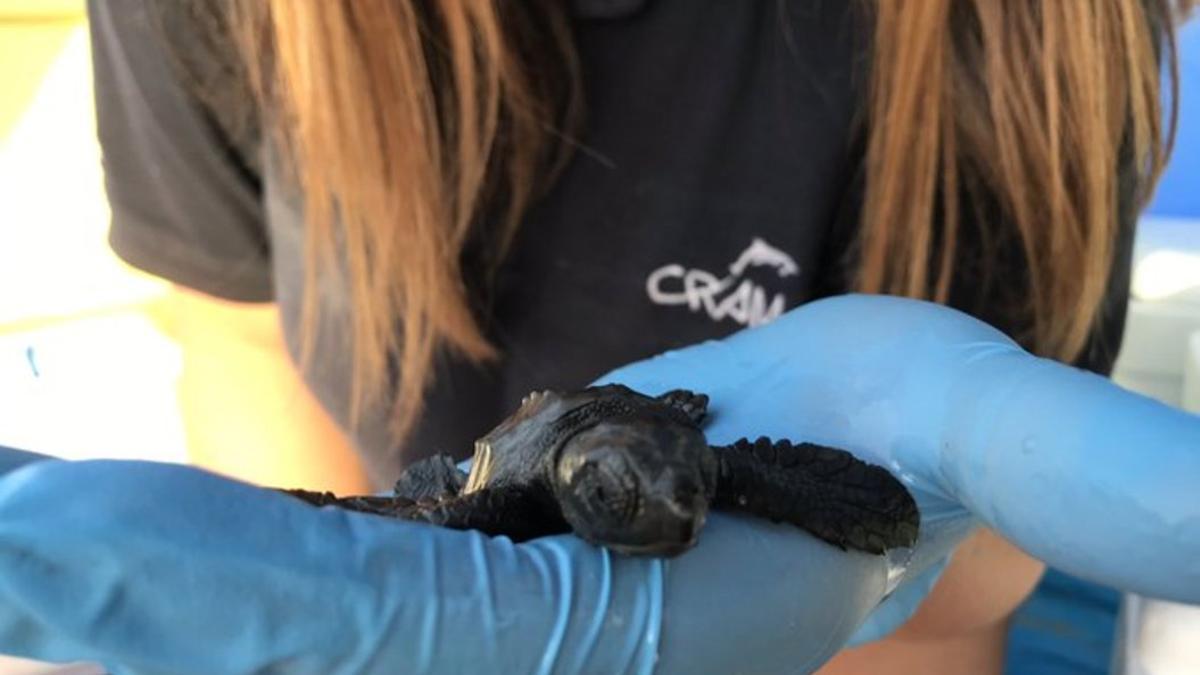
(760, 253)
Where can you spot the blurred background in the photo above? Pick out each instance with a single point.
(87, 369)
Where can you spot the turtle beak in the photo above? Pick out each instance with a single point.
(684, 509)
(682, 497)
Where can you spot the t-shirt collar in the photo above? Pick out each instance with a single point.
(606, 9)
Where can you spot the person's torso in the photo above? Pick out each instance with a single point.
(712, 169)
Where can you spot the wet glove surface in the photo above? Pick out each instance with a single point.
(156, 568)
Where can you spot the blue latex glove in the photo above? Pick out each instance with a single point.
(11, 458)
(156, 568)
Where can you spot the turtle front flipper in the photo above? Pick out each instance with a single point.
(436, 477)
(518, 512)
(691, 404)
(828, 492)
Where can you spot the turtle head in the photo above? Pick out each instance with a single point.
(637, 485)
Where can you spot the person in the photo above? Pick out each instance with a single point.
(151, 568)
(451, 204)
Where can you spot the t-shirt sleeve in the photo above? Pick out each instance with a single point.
(184, 193)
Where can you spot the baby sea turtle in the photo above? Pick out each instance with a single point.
(634, 473)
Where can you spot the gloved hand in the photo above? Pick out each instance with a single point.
(156, 568)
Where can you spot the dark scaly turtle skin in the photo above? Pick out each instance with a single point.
(634, 473)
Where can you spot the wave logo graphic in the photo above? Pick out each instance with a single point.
(734, 295)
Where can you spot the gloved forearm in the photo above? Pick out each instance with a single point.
(1090, 478)
(11, 458)
(157, 568)
(281, 587)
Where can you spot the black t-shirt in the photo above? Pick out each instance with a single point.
(721, 185)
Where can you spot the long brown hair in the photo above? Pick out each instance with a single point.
(1025, 105)
(405, 120)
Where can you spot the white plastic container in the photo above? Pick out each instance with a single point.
(1191, 376)
(1164, 309)
(1160, 357)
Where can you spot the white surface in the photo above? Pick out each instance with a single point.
(1162, 637)
(1191, 375)
(1164, 308)
(1167, 260)
(54, 260)
(101, 387)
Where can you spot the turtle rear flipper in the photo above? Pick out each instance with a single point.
(828, 492)
(513, 511)
(380, 506)
(436, 478)
(518, 512)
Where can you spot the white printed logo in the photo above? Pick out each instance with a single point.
(731, 296)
